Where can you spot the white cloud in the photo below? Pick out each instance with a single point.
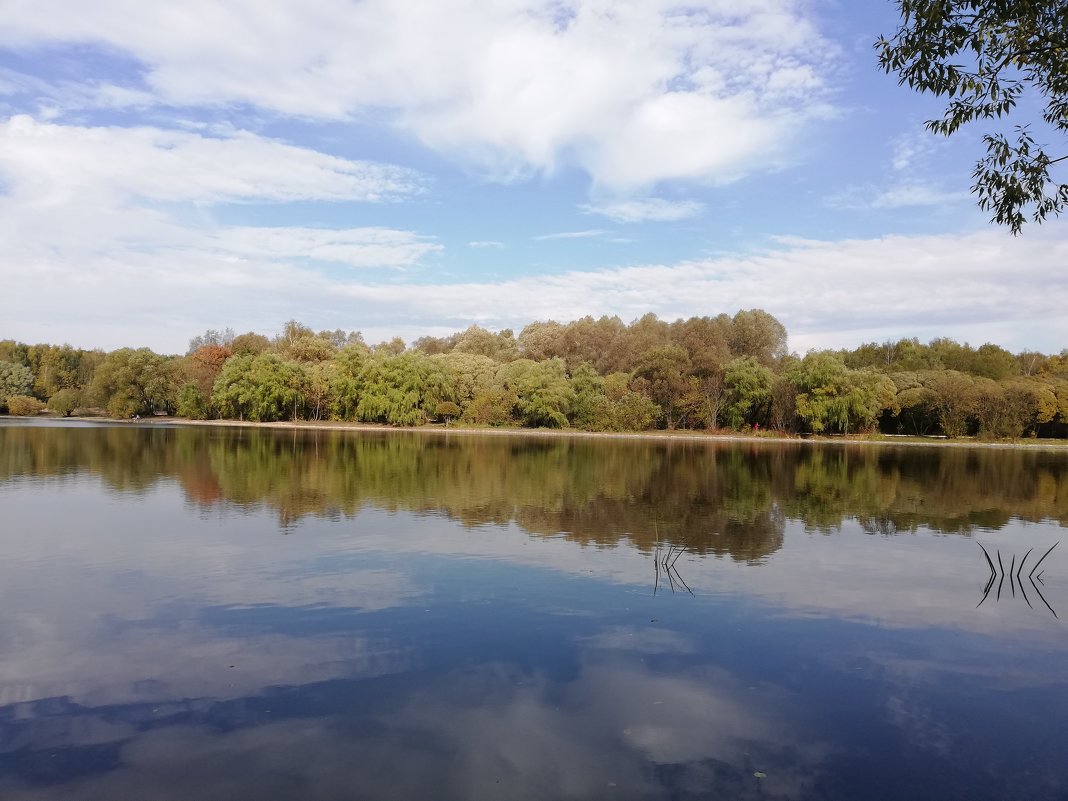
(900, 194)
(914, 150)
(587, 234)
(115, 225)
(914, 194)
(826, 293)
(982, 286)
(48, 164)
(486, 243)
(355, 247)
(651, 209)
(634, 92)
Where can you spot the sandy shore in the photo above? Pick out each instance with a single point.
(1060, 446)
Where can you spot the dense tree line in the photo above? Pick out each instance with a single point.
(593, 374)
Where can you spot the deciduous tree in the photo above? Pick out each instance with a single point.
(986, 56)
(15, 379)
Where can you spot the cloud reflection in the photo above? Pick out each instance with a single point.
(616, 729)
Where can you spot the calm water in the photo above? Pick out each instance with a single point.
(222, 613)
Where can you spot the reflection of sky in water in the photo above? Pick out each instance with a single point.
(156, 649)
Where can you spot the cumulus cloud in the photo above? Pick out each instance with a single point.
(651, 209)
(116, 225)
(633, 92)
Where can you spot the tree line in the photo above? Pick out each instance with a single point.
(704, 373)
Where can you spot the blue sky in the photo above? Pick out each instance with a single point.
(405, 168)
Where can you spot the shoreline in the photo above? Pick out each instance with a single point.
(892, 440)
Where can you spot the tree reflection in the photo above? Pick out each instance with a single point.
(715, 498)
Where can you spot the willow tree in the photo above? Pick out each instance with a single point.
(262, 388)
(401, 390)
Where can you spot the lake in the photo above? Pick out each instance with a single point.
(228, 613)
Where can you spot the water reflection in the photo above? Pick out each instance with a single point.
(714, 498)
(475, 618)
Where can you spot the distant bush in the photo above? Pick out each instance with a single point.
(23, 405)
(447, 410)
(65, 401)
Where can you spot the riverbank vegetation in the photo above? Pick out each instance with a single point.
(590, 374)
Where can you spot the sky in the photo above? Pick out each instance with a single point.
(409, 168)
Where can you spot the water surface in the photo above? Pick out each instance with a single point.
(221, 613)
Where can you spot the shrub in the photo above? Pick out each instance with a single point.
(65, 401)
(23, 405)
(447, 410)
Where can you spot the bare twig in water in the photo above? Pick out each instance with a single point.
(1043, 597)
(1002, 568)
(986, 589)
(987, 557)
(1015, 573)
(1040, 561)
(1023, 592)
(1020, 568)
(664, 564)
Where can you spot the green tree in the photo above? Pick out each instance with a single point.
(191, 403)
(339, 339)
(261, 388)
(756, 333)
(308, 349)
(543, 395)
(65, 401)
(250, 343)
(129, 382)
(492, 407)
(58, 368)
(394, 347)
(446, 410)
(589, 406)
(833, 398)
(401, 390)
(749, 392)
(317, 385)
(628, 410)
(345, 384)
(477, 340)
(1010, 409)
(914, 404)
(15, 379)
(541, 340)
(782, 412)
(953, 397)
(664, 371)
(986, 56)
(469, 375)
